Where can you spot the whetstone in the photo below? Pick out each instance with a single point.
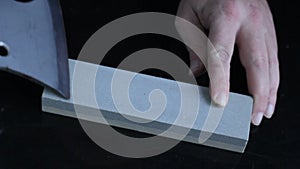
(231, 133)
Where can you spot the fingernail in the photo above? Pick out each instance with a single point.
(257, 118)
(270, 111)
(221, 99)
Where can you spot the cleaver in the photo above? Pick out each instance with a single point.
(33, 43)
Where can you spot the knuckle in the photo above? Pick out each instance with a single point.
(255, 14)
(224, 56)
(262, 96)
(231, 9)
(260, 90)
(260, 62)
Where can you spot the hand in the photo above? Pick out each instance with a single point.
(248, 23)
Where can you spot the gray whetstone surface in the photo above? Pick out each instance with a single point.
(230, 134)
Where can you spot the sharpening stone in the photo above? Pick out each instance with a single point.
(230, 133)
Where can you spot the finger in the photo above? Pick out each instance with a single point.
(186, 11)
(189, 36)
(197, 67)
(222, 35)
(274, 77)
(254, 57)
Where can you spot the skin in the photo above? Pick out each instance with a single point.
(249, 24)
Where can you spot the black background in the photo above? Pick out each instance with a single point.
(30, 138)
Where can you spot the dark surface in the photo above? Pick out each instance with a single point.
(30, 138)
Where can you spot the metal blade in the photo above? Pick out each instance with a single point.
(33, 44)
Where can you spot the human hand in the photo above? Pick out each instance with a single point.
(249, 23)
